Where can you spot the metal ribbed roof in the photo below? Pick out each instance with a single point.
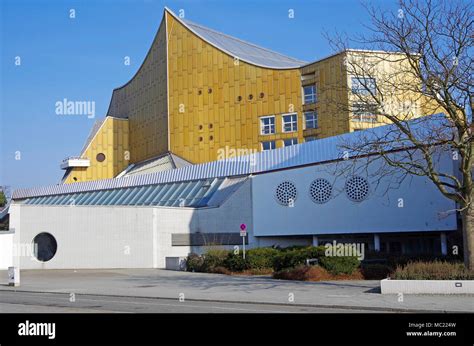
(158, 164)
(319, 151)
(240, 49)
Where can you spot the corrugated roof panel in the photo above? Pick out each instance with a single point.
(322, 150)
(242, 50)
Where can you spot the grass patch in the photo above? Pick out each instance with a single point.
(436, 270)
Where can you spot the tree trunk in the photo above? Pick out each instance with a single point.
(468, 236)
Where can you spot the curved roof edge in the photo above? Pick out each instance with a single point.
(198, 30)
(139, 68)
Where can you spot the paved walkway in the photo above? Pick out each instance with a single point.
(153, 283)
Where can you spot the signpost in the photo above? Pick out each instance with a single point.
(243, 233)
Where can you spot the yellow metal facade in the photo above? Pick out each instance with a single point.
(215, 100)
(111, 140)
(143, 100)
(195, 100)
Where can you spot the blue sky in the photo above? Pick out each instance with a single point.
(82, 59)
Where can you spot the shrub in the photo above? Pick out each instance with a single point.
(194, 263)
(375, 271)
(303, 273)
(297, 256)
(314, 273)
(436, 270)
(340, 265)
(393, 259)
(214, 259)
(261, 258)
(235, 263)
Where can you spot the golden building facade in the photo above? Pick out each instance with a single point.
(200, 93)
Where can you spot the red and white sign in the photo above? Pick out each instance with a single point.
(243, 231)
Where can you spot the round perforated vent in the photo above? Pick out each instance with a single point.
(286, 193)
(357, 188)
(320, 191)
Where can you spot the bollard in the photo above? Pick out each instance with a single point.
(13, 276)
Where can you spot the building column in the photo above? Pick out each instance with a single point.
(376, 242)
(444, 244)
(315, 240)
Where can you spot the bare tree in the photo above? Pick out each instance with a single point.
(429, 70)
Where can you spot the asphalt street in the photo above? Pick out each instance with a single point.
(30, 302)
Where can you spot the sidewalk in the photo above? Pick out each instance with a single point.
(154, 283)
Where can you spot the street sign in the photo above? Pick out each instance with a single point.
(243, 234)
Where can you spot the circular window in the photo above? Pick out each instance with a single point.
(44, 247)
(100, 157)
(357, 188)
(320, 190)
(286, 193)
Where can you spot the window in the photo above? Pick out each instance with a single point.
(100, 157)
(311, 120)
(267, 125)
(363, 86)
(310, 138)
(268, 145)
(364, 112)
(290, 122)
(44, 247)
(290, 141)
(309, 93)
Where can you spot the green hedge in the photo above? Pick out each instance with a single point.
(290, 258)
(261, 258)
(264, 258)
(236, 263)
(339, 265)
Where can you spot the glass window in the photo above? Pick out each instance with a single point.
(290, 122)
(309, 93)
(364, 112)
(290, 141)
(268, 145)
(311, 120)
(267, 125)
(363, 86)
(44, 247)
(310, 138)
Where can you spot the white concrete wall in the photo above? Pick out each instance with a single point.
(87, 237)
(123, 236)
(228, 217)
(6, 250)
(423, 207)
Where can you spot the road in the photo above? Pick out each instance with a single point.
(30, 302)
(155, 290)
